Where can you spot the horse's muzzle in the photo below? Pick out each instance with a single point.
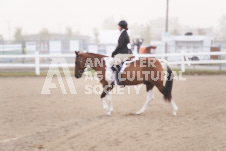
(78, 76)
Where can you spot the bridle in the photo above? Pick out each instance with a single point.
(78, 63)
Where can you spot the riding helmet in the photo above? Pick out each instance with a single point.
(123, 24)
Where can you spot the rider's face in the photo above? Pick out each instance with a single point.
(120, 28)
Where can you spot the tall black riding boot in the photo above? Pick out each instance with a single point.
(116, 70)
(118, 76)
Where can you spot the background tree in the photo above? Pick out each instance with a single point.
(109, 24)
(135, 30)
(96, 34)
(1, 39)
(69, 32)
(77, 32)
(201, 31)
(175, 32)
(175, 26)
(146, 34)
(44, 34)
(221, 35)
(18, 36)
(141, 31)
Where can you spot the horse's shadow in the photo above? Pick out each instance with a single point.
(130, 114)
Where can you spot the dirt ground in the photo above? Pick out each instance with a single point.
(31, 121)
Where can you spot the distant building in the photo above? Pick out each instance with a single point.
(59, 43)
(186, 44)
(1, 39)
(105, 36)
(104, 42)
(221, 44)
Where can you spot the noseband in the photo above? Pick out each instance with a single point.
(78, 63)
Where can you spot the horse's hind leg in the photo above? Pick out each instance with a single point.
(110, 102)
(105, 106)
(159, 85)
(175, 108)
(150, 96)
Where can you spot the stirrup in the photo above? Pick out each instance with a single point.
(119, 81)
(113, 68)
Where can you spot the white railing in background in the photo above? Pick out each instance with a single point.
(37, 65)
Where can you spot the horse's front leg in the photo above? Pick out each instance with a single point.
(109, 97)
(105, 106)
(150, 96)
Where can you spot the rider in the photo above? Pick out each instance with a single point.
(122, 51)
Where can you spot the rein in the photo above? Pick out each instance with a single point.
(78, 63)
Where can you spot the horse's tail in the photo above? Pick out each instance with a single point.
(167, 89)
(169, 85)
(166, 63)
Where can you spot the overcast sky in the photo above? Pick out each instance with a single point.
(83, 15)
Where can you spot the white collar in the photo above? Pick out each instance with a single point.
(121, 31)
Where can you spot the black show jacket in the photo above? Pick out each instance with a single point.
(123, 41)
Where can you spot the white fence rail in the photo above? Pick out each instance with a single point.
(37, 65)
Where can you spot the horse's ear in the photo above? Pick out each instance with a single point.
(77, 53)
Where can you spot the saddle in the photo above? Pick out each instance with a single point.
(130, 58)
(109, 73)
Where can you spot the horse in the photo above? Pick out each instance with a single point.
(146, 50)
(84, 60)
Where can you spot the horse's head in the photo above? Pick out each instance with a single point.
(79, 64)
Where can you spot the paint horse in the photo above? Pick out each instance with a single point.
(138, 67)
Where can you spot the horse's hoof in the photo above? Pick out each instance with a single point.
(109, 113)
(109, 97)
(105, 107)
(138, 113)
(174, 113)
(111, 109)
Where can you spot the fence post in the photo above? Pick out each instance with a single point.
(182, 63)
(37, 67)
(220, 58)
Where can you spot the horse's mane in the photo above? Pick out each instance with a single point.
(94, 54)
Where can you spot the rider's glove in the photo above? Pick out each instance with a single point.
(112, 55)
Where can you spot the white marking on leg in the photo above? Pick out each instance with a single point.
(105, 106)
(150, 96)
(110, 105)
(175, 108)
(109, 112)
(110, 102)
(8, 140)
(109, 97)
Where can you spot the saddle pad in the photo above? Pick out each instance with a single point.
(127, 62)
